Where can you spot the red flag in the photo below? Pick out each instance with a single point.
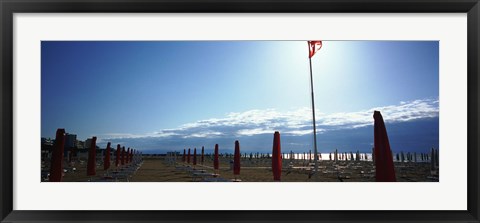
(313, 47)
(276, 157)
(385, 171)
(215, 158)
(236, 159)
(106, 162)
(92, 156)
(56, 166)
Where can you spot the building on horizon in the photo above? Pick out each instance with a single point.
(70, 140)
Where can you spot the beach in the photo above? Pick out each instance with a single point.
(171, 169)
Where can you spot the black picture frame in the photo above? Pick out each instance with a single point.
(9, 7)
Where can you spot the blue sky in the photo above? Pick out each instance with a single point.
(167, 95)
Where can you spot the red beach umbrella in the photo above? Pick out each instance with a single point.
(127, 156)
(194, 156)
(188, 156)
(385, 171)
(92, 158)
(183, 157)
(122, 157)
(106, 162)
(117, 157)
(215, 158)
(131, 155)
(276, 157)
(56, 165)
(236, 159)
(201, 160)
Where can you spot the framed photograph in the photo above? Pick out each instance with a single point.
(238, 111)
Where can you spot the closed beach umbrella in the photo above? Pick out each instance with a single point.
(56, 164)
(183, 157)
(131, 155)
(385, 171)
(122, 156)
(195, 156)
(276, 159)
(236, 159)
(215, 158)
(201, 160)
(92, 156)
(188, 156)
(127, 156)
(106, 162)
(117, 158)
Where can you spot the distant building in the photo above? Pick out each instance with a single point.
(80, 144)
(87, 144)
(70, 140)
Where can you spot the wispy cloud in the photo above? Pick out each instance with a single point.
(405, 111)
(295, 123)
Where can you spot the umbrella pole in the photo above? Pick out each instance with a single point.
(315, 158)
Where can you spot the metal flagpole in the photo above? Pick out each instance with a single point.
(315, 159)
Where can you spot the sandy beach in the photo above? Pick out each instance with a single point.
(167, 169)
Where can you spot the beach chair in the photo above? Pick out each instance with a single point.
(201, 175)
